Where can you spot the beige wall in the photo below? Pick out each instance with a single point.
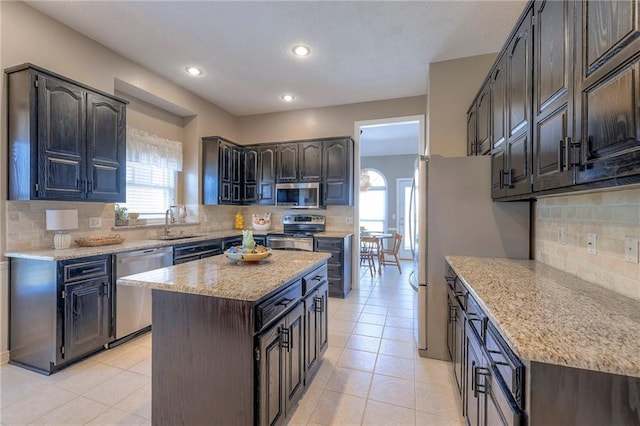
(322, 122)
(452, 86)
(38, 39)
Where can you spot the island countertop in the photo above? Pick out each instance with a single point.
(219, 276)
(552, 317)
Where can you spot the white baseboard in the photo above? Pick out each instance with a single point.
(4, 358)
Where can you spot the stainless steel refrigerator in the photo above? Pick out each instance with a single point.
(451, 213)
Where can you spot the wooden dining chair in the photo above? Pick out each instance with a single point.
(368, 252)
(389, 256)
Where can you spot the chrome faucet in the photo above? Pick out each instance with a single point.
(167, 214)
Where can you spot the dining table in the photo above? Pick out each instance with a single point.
(380, 236)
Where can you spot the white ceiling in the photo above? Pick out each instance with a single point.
(361, 51)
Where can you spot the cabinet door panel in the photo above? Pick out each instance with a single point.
(266, 175)
(611, 25)
(471, 130)
(322, 316)
(552, 38)
(311, 343)
(498, 166)
(287, 162)
(295, 357)
(498, 95)
(519, 82)
(87, 313)
(517, 179)
(271, 389)
(483, 144)
(106, 149)
(611, 141)
(61, 139)
(551, 157)
(310, 161)
(250, 175)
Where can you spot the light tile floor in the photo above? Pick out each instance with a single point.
(371, 373)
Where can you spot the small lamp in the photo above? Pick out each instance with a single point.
(60, 221)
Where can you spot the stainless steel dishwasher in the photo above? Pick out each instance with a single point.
(133, 304)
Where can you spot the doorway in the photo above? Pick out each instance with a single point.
(389, 146)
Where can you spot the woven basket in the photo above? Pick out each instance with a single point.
(99, 241)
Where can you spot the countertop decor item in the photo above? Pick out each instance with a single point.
(61, 221)
(122, 216)
(261, 222)
(96, 241)
(238, 221)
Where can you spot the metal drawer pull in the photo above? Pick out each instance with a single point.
(480, 388)
(319, 305)
(284, 339)
(284, 302)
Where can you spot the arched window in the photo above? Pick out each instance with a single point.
(373, 200)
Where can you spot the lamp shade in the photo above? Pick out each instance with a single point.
(61, 220)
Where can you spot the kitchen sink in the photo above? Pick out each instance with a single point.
(175, 237)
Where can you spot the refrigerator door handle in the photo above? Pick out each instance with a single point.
(411, 218)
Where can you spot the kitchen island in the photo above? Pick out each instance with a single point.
(235, 343)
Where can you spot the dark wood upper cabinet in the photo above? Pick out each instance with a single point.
(553, 127)
(498, 99)
(106, 159)
(609, 92)
(518, 110)
(287, 162)
(221, 181)
(310, 161)
(267, 174)
(66, 140)
(337, 175)
(250, 175)
(483, 130)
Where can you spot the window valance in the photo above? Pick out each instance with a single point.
(153, 150)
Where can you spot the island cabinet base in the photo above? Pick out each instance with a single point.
(203, 366)
(559, 395)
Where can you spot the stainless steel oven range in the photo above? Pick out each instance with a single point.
(298, 232)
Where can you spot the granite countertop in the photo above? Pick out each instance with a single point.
(52, 254)
(218, 276)
(549, 316)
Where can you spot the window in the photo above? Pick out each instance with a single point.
(152, 167)
(373, 200)
(150, 189)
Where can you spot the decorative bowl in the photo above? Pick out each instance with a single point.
(244, 255)
(261, 227)
(134, 216)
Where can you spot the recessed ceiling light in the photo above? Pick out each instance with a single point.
(287, 98)
(301, 50)
(194, 71)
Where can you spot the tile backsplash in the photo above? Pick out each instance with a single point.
(26, 221)
(612, 215)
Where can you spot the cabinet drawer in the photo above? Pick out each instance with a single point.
(81, 269)
(329, 245)
(506, 363)
(314, 279)
(336, 257)
(271, 308)
(334, 271)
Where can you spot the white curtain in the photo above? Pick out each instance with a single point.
(153, 150)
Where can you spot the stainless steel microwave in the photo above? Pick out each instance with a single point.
(298, 195)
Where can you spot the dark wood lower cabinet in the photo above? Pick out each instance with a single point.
(60, 311)
(316, 322)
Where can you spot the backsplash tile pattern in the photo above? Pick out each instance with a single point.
(26, 223)
(612, 215)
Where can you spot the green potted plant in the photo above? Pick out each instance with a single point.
(122, 217)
